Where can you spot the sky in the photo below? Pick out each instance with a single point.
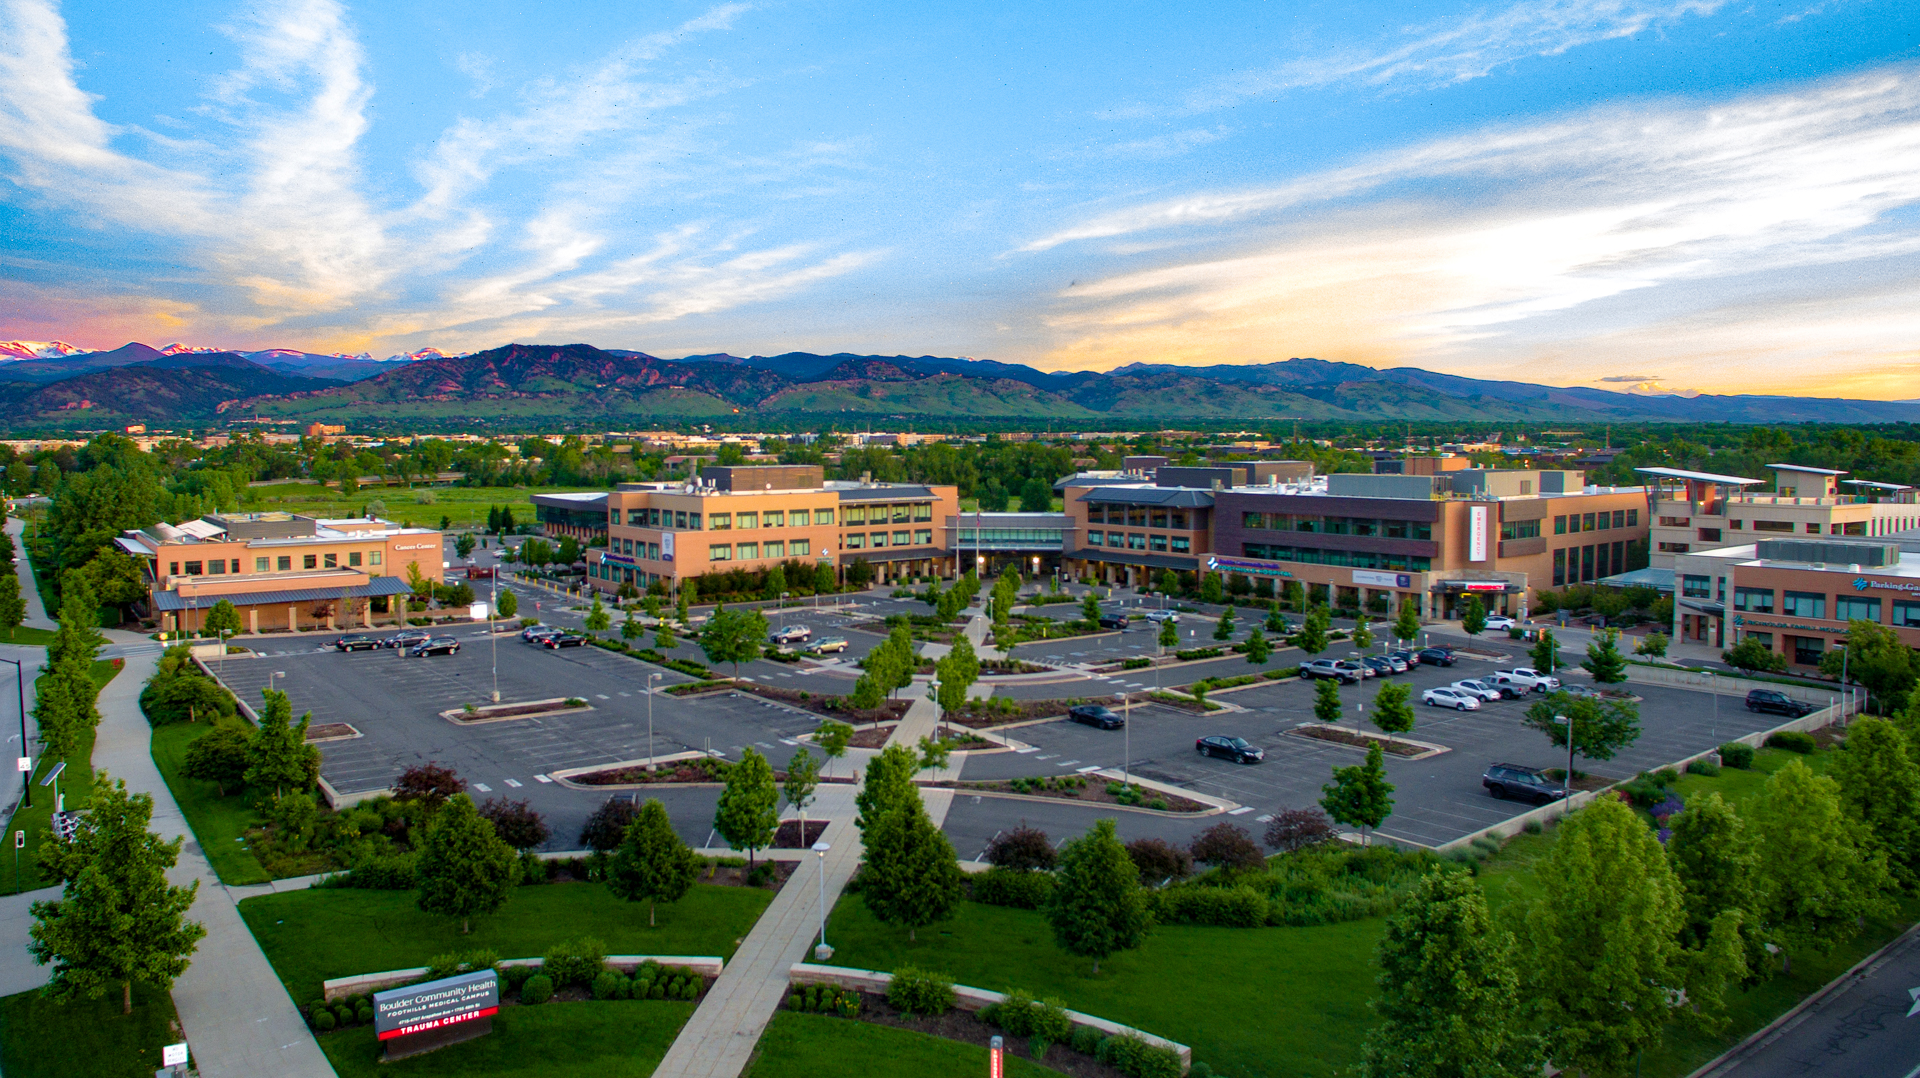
(1707, 195)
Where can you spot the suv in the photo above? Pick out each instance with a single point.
(792, 634)
(1522, 784)
(1437, 656)
(1164, 615)
(1113, 621)
(357, 642)
(1777, 702)
(438, 645)
(1095, 715)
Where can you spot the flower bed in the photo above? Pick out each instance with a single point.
(696, 688)
(1184, 703)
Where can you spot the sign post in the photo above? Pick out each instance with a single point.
(995, 1062)
(422, 1017)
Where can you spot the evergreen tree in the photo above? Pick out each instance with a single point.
(651, 864)
(1450, 1003)
(1326, 701)
(630, 627)
(1880, 786)
(1360, 795)
(823, 583)
(77, 641)
(1393, 708)
(663, 637)
(1313, 636)
(1275, 624)
(279, 757)
(1820, 873)
(1211, 589)
(1406, 626)
(1169, 635)
(1223, 629)
(1545, 653)
(62, 709)
(911, 877)
(1362, 635)
(463, 546)
(597, 620)
(748, 813)
(1097, 906)
(1603, 940)
(507, 604)
(776, 583)
(117, 920)
(1258, 650)
(889, 782)
(1473, 619)
(13, 608)
(1604, 660)
(464, 869)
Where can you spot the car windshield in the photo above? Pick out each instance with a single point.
(1238, 743)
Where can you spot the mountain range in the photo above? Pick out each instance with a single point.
(522, 387)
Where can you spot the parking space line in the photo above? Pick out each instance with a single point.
(1263, 819)
(1066, 763)
(483, 787)
(1241, 811)
(1084, 770)
(541, 778)
(515, 783)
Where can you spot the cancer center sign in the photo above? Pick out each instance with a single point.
(422, 1017)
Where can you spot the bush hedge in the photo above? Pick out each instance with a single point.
(1736, 755)
(537, 989)
(1793, 741)
(1017, 888)
(919, 992)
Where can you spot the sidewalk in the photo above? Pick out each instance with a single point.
(236, 1013)
(36, 610)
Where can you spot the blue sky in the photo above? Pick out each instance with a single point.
(1702, 194)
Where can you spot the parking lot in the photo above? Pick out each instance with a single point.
(1436, 799)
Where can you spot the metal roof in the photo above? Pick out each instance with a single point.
(1011, 520)
(1700, 477)
(1798, 468)
(1874, 485)
(902, 492)
(375, 587)
(1177, 497)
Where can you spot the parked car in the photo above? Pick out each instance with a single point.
(1095, 715)
(1113, 621)
(1360, 669)
(1157, 616)
(1456, 699)
(406, 638)
(563, 640)
(1777, 702)
(1583, 692)
(438, 645)
(1380, 666)
(357, 642)
(1411, 658)
(1527, 675)
(1397, 661)
(539, 633)
(1522, 784)
(1331, 668)
(791, 634)
(1484, 690)
(1500, 622)
(1437, 656)
(1229, 748)
(827, 644)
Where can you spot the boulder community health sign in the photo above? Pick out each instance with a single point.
(422, 1017)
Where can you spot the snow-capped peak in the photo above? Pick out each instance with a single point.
(176, 348)
(10, 350)
(424, 353)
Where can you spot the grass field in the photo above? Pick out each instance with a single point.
(602, 1039)
(313, 935)
(87, 1038)
(28, 636)
(1250, 1002)
(220, 823)
(76, 786)
(466, 507)
(808, 1045)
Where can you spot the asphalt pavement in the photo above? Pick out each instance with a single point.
(1867, 1025)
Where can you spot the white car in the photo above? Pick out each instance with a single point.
(1530, 678)
(1457, 699)
(1479, 689)
(1163, 615)
(1500, 622)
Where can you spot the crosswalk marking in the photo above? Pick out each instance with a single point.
(1095, 767)
(541, 778)
(483, 787)
(1263, 819)
(515, 783)
(1066, 763)
(788, 741)
(602, 696)
(1028, 749)
(626, 694)
(1241, 811)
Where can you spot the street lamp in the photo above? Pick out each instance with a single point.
(1568, 798)
(651, 678)
(821, 951)
(20, 679)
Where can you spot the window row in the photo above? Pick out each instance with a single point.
(278, 564)
(1813, 604)
(1574, 564)
(1857, 527)
(635, 548)
(1574, 523)
(796, 548)
(1358, 559)
(1292, 522)
(1519, 529)
(879, 514)
(1147, 516)
(864, 540)
(1174, 544)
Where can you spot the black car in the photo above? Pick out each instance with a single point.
(438, 645)
(407, 638)
(562, 640)
(1231, 748)
(1095, 715)
(1777, 702)
(1113, 621)
(1522, 783)
(539, 634)
(1379, 666)
(357, 642)
(1437, 656)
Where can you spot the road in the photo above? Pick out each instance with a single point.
(1867, 1027)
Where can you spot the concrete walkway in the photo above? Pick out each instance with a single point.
(36, 610)
(718, 1041)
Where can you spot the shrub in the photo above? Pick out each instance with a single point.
(1703, 766)
(515, 976)
(457, 962)
(1007, 887)
(576, 961)
(324, 1021)
(1228, 846)
(658, 991)
(1292, 830)
(363, 1013)
(1224, 907)
(1020, 849)
(795, 1001)
(1086, 1040)
(847, 1006)
(1644, 790)
(1736, 755)
(1533, 827)
(392, 873)
(916, 991)
(1158, 860)
(1132, 1055)
(607, 985)
(1136, 664)
(538, 989)
(1792, 741)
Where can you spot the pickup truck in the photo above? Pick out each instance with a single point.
(1527, 678)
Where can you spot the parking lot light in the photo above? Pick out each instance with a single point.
(821, 951)
(651, 678)
(1568, 798)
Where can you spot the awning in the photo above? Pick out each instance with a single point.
(377, 587)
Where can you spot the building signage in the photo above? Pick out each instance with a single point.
(1742, 619)
(618, 559)
(1244, 565)
(1477, 533)
(1862, 584)
(415, 546)
(1382, 580)
(666, 546)
(436, 1013)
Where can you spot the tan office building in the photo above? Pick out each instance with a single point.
(1696, 511)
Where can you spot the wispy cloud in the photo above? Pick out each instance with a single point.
(1171, 144)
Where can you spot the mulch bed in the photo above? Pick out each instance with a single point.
(788, 837)
(873, 737)
(979, 717)
(833, 707)
(508, 711)
(676, 771)
(1348, 737)
(959, 1025)
(574, 870)
(329, 731)
(1095, 792)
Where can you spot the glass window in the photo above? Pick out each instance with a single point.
(332, 561)
(1633, 518)
(902, 513)
(1907, 613)
(353, 559)
(774, 518)
(173, 568)
(217, 567)
(635, 517)
(1619, 518)
(1157, 542)
(194, 568)
(800, 548)
(922, 511)
(1136, 541)
(1808, 649)
(1804, 604)
(693, 522)
(747, 521)
(259, 565)
(285, 563)
(1709, 535)
(856, 541)
(310, 562)
(1773, 525)
(1753, 600)
(923, 536)
(776, 549)
(901, 538)
(1158, 518)
(1573, 524)
(679, 519)
(720, 552)
(1137, 516)
(1813, 529)
(748, 551)
(1180, 544)
(1096, 538)
(1855, 608)
(853, 514)
(1696, 587)
(1605, 521)
(1586, 560)
(1116, 539)
(1177, 519)
(720, 522)
(1520, 529)
(1560, 563)
(613, 517)
(823, 516)
(879, 539)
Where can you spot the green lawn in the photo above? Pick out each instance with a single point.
(467, 506)
(602, 1039)
(220, 823)
(28, 636)
(1214, 989)
(76, 787)
(809, 1045)
(313, 935)
(86, 1038)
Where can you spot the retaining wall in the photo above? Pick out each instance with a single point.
(705, 965)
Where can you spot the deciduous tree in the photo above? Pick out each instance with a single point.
(1406, 625)
(1360, 795)
(1097, 906)
(219, 756)
(1875, 657)
(803, 778)
(1326, 701)
(833, 737)
(1754, 656)
(517, 824)
(1880, 786)
(1362, 634)
(1600, 728)
(1604, 660)
(1293, 830)
(279, 757)
(222, 618)
(597, 619)
(733, 636)
(1821, 873)
(1258, 650)
(1227, 846)
(748, 813)
(1474, 618)
(1545, 652)
(1393, 707)
(13, 608)
(651, 864)
(465, 869)
(888, 783)
(507, 604)
(912, 877)
(1313, 636)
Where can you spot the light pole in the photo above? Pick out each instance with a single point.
(493, 638)
(20, 679)
(1126, 741)
(1568, 798)
(821, 950)
(651, 678)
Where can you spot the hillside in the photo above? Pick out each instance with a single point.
(171, 390)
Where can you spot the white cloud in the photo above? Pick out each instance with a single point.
(1171, 144)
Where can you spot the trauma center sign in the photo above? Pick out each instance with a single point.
(423, 1016)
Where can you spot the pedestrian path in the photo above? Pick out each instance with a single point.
(36, 610)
